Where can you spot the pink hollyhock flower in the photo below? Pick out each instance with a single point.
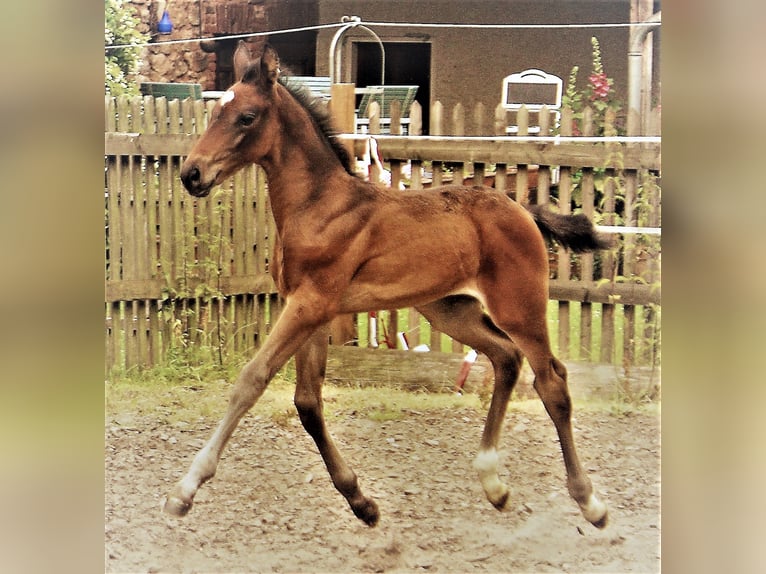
(600, 85)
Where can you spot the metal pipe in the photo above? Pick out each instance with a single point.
(351, 22)
(336, 52)
(635, 62)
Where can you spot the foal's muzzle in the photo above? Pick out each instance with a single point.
(192, 180)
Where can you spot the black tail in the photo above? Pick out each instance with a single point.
(574, 232)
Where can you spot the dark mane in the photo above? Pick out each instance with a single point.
(318, 111)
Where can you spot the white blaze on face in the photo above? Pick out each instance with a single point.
(227, 96)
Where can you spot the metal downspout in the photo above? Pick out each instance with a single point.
(635, 63)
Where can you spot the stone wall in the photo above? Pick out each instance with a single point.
(193, 61)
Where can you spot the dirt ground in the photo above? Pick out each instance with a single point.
(271, 506)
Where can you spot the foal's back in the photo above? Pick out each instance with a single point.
(479, 218)
(418, 246)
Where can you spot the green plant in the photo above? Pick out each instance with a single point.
(121, 28)
(572, 97)
(631, 391)
(598, 94)
(192, 304)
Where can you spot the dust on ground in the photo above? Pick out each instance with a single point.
(272, 508)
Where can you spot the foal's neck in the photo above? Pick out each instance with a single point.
(302, 166)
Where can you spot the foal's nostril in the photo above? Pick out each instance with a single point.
(191, 177)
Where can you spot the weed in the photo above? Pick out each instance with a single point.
(382, 414)
(284, 417)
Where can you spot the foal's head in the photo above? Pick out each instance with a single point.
(253, 119)
(243, 124)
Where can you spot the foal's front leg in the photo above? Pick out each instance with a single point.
(310, 361)
(294, 326)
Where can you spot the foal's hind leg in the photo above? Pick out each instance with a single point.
(551, 384)
(463, 319)
(310, 361)
(522, 315)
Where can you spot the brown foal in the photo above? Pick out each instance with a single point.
(470, 259)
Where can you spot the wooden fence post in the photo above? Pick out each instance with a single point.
(437, 119)
(564, 261)
(342, 104)
(458, 120)
(396, 118)
(653, 248)
(544, 171)
(587, 192)
(416, 119)
(479, 119)
(522, 172)
(501, 169)
(608, 260)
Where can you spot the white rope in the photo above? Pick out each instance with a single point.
(358, 21)
(629, 230)
(511, 26)
(215, 38)
(532, 139)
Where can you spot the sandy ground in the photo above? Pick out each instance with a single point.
(271, 506)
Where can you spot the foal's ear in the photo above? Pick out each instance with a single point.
(241, 60)
(269, 64)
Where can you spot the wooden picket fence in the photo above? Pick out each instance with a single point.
(190, 277)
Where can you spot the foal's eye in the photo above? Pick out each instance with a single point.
(246, 120)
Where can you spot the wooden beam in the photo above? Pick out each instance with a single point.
(126, 143)
(605, 292)
(445, 149)
(432, 371)
(129, 290)
(507, 151)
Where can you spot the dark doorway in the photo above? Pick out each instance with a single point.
(297, 51)
(407, 63)
(224, 66)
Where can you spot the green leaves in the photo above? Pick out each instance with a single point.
(121, 28)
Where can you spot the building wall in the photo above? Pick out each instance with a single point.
(468, 65)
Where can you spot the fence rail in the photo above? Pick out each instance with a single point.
(185, 273)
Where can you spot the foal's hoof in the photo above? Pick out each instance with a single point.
(500, 501)
(603, 521)
(595, 512)
(176, 507)
(368, 512)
